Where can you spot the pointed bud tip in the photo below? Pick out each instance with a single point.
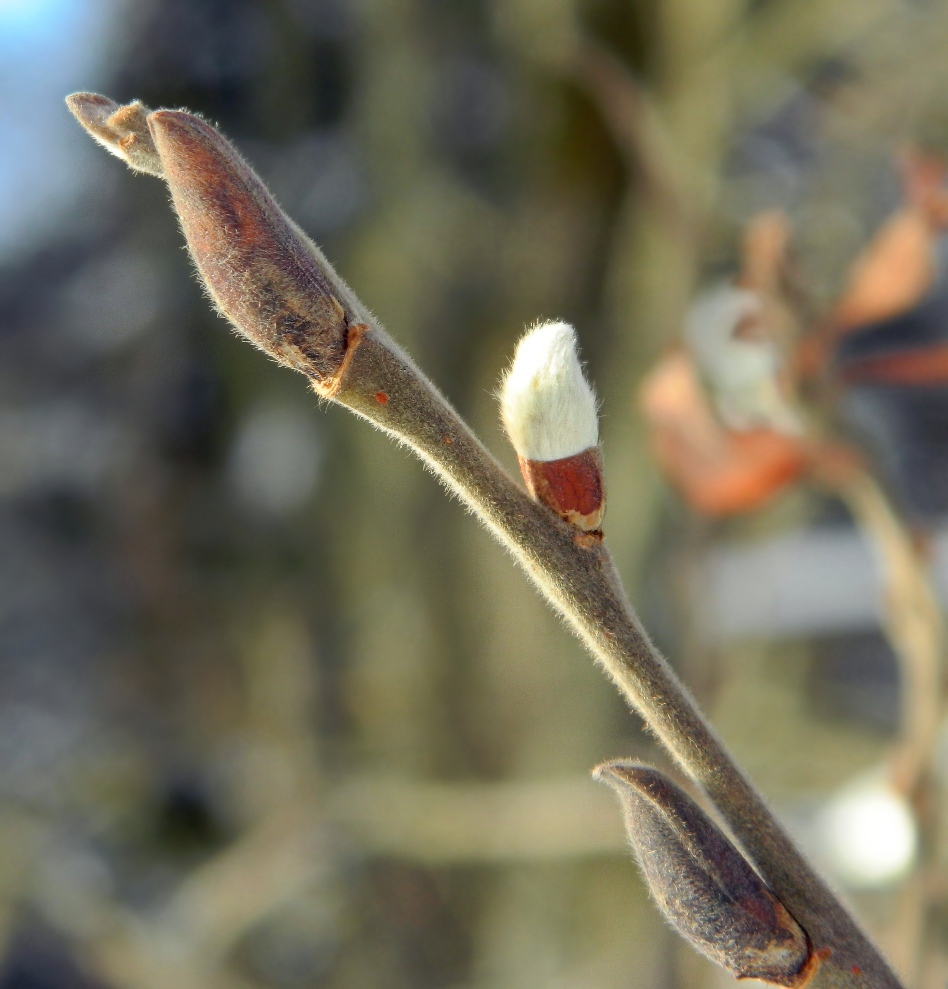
(179, 129)
(703, 885)
(122, 130)
(616, 773)
(171, 118)
(190, 148)
(90, 106)
(548, 407)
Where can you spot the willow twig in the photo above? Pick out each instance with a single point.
(282, 294)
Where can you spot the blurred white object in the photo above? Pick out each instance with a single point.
(867, 834)
(743, 373)
(808, 582)
(275, 459)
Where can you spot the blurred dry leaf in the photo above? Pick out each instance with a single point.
(719, 471)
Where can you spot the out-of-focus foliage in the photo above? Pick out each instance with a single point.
(273, 711)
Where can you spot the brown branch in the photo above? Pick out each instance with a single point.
(281, 293)
(636, 126)
(580, 580)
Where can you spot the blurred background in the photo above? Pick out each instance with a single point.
(274, 712)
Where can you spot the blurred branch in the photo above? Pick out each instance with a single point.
(635, 123)
(276, 861)
(515, 821)
(913, 624)
(268, 867)
(915, 628)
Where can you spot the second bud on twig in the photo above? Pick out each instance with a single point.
(549, 413)
(703, 885)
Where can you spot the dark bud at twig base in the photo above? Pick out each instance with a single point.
(123, 130)
(703, 885)
(267, 278)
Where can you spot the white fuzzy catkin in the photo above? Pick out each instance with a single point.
(547, 405)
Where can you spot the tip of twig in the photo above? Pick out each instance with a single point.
(122, 130)
(615, 773)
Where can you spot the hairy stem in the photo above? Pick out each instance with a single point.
(577, 575)
(283, 295)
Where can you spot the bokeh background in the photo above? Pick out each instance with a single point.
(274, 712)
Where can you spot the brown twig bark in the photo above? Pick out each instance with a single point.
(282, 294)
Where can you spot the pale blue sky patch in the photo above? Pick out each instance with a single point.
(48, 48)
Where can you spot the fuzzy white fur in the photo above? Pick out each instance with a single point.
(547, 405)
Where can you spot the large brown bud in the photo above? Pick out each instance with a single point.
(266, 276)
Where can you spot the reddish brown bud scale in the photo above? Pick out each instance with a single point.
(572, 487)
(263, 273)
